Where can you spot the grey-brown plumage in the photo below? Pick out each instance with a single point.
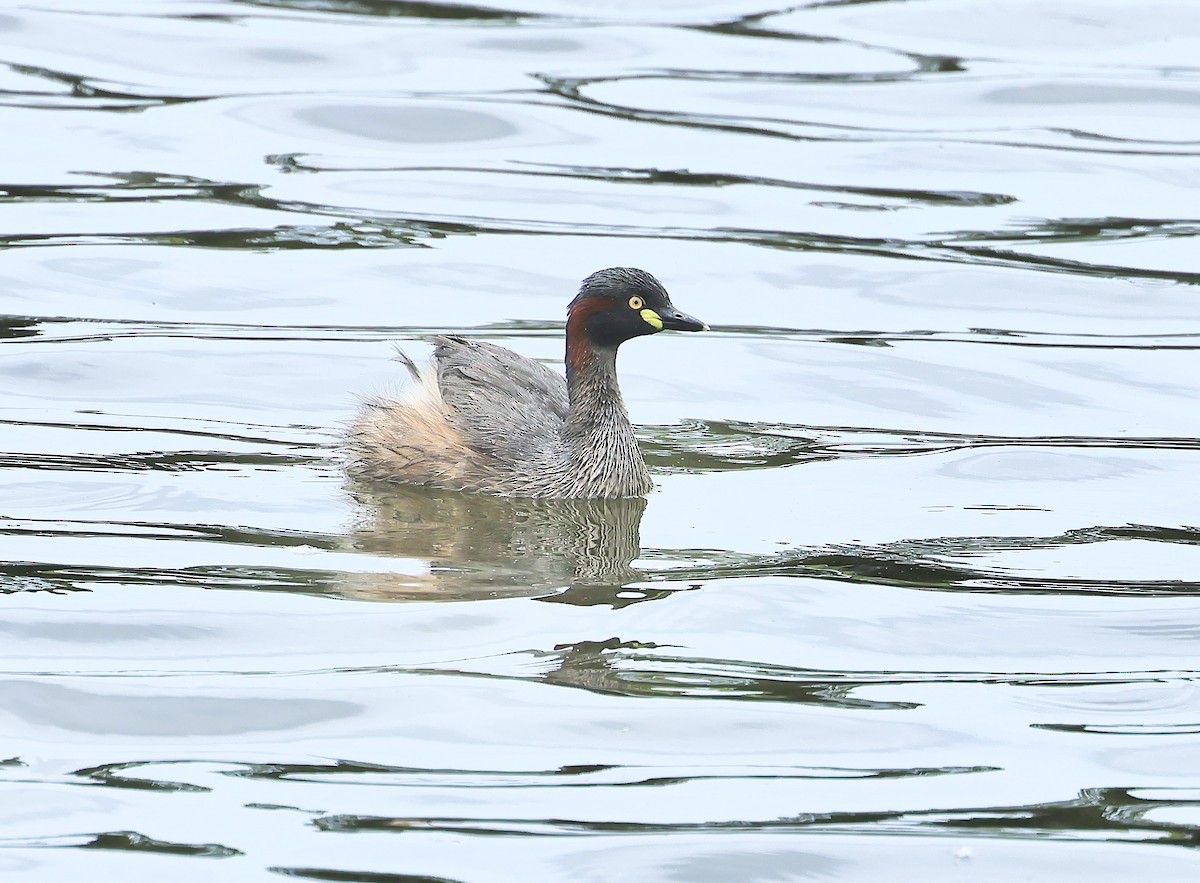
(483, 418)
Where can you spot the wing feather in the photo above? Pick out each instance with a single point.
(503, 404)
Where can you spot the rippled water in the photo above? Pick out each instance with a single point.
(915, 597)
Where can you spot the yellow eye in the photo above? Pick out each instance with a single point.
(636, 303)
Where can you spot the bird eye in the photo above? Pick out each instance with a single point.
(636, 303)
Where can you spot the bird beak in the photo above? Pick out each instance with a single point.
(673, 320)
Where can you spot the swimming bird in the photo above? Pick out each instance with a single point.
(483, 418)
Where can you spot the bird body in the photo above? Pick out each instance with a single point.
(483, 418)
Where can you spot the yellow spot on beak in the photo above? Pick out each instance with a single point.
(652, 319)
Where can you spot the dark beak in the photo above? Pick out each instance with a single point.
(674, 320)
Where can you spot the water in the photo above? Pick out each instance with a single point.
(915, 597)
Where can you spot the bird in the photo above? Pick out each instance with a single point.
(482, 418)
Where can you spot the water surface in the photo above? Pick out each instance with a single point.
(915, 597)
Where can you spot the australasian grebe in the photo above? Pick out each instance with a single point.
(483, 418)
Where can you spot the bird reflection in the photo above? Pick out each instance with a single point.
(484, 546)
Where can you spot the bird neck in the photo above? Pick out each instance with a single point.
(593, 392)
(597, 433)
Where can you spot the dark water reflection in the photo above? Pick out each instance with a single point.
(1090, 816)
(477, 544)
